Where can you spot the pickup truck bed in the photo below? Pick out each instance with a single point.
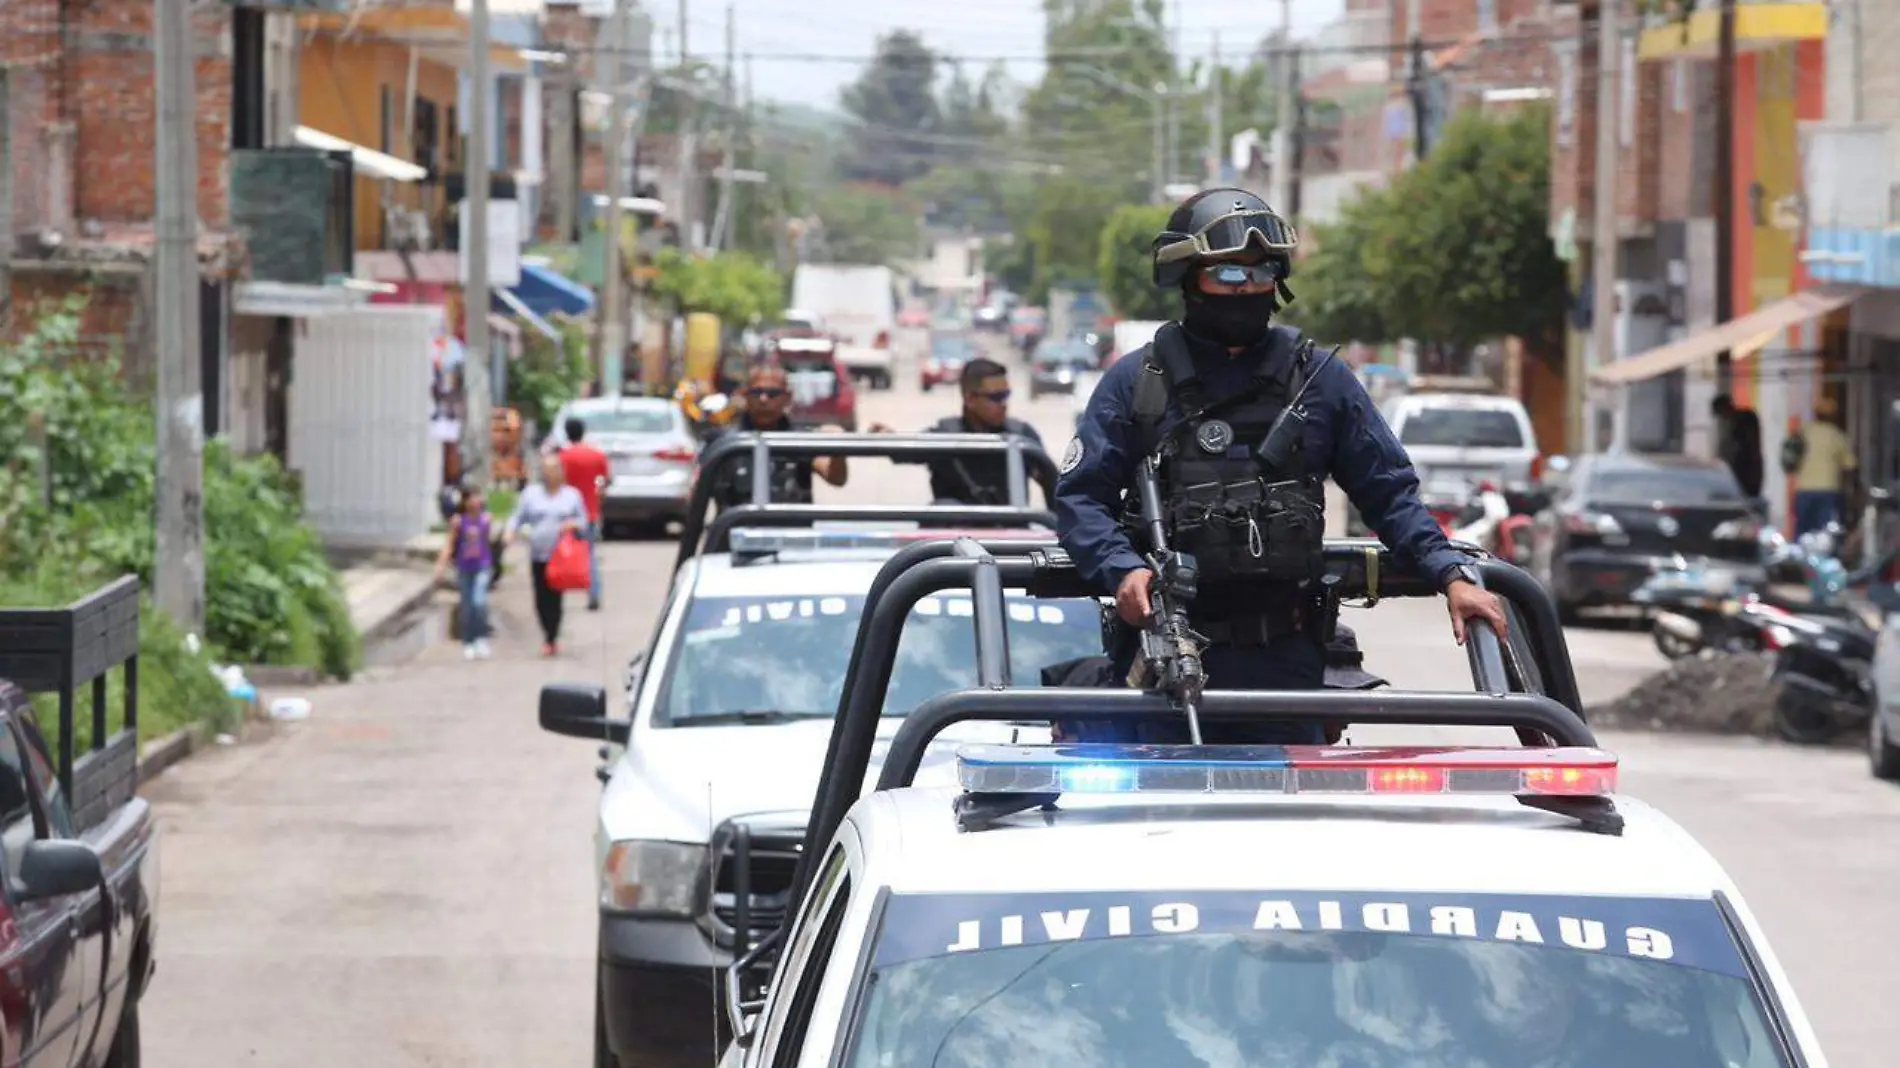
(77, 845)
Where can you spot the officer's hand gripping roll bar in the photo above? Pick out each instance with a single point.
(1044, 571)
(1169, 659)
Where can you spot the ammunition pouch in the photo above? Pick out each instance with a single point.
(1293, 521)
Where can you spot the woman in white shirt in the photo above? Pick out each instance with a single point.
(547, 509)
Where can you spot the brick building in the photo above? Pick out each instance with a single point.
(79, 148)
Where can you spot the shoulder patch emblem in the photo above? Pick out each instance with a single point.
(1072, 458)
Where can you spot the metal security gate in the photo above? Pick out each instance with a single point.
(359, 424)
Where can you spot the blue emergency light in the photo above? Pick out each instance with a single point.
(1267, 769)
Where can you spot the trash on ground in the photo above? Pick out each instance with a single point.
(288, 708)
(1709, 693)
(226, 739)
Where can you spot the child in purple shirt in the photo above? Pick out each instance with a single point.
(469, 550)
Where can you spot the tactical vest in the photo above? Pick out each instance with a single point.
(791, 478)
(1240, 521)
(977, 480)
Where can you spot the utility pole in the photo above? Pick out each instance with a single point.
(728, 159)
(1725, 184)
(1603, 230)
(613, 287)
(1175, 55)
(1416, 87)
(179, 579)
(1298, 153)
(1214, 89)
(1283, 123)
(477, 391)
(6, 192)
(687, 144)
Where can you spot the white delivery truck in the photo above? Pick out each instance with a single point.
(858, 305)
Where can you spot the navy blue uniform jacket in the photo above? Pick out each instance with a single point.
(1347, 440)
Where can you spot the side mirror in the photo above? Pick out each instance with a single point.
(57, 867)
(580, 712)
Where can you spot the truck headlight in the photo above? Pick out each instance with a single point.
(652, 878)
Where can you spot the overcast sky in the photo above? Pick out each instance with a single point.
(785, 36)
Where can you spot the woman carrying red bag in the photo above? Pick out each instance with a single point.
(553, 514)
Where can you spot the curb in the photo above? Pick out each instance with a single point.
(161, 753)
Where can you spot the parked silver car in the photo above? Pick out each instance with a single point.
(650, 451)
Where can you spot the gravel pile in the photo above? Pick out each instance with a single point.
(1710, 693)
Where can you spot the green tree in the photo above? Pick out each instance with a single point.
(1064, 228)
(868, 224)
(1457, 251)
(895, 103)
(732, 285)
(1124, 265)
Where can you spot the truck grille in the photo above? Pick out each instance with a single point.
(772, 859)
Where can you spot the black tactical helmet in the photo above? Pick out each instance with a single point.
(1216, 223)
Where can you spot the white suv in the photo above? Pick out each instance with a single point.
(731, 710)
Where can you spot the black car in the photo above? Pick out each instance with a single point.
(1057, 365)
(1617, 519)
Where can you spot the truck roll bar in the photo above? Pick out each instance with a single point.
(1362, 568)
(718, 535)
(1026, 460)
(59, 650)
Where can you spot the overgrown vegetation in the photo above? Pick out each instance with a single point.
(548, 375)
(731, 285)
(77, 495)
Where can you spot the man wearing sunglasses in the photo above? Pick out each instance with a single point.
(1245, 422)
(768, 403)
(978, 480)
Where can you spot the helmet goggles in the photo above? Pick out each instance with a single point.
(1228, 235)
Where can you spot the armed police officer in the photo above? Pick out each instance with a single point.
(980, 480)
(768, 402)
(1243, 421)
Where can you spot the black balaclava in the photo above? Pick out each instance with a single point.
(1235, 320)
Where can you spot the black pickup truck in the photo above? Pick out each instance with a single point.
(78, 861)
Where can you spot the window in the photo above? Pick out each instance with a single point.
(788, 654)
(804, 996)
(388, 129)
(16, 809)
(1303, 997)
(40, 764)
(808, 943)
(1682, 485)
(1474, 428)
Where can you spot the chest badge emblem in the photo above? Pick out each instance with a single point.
(1214, 436)
(1669, 527)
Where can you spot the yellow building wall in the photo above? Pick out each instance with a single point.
(341, 84)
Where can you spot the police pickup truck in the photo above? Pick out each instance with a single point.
(78, 847)
(1082, 906)
(729, 711)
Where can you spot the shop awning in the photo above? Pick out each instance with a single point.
(1741, 337)
(548, 291)
(507, 299)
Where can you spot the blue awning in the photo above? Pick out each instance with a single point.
(548, 292)
(511, 302)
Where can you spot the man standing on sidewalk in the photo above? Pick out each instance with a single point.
(1822, 471)
(586, 471)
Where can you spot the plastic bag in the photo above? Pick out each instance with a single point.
(568, 567)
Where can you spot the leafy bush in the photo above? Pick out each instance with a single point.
(1126, 263)
(732, 285)
(549, 375)
(78, 494)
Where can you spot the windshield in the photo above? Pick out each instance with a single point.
(644, 420)
(1475, 428)
(1233, 980)
(1681, 485)
(789, 654)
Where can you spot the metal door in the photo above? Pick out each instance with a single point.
(359, 424)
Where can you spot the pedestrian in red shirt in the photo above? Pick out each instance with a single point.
(586, 470)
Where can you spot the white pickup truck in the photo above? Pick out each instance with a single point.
(858, 306)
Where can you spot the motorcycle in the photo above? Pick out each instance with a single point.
(1823, 650)
(1497, 521)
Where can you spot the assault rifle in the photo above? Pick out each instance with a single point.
(1170, 655)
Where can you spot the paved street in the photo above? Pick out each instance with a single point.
(405, 879)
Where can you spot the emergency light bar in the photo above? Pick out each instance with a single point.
(754, 541)
(1272, 769)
